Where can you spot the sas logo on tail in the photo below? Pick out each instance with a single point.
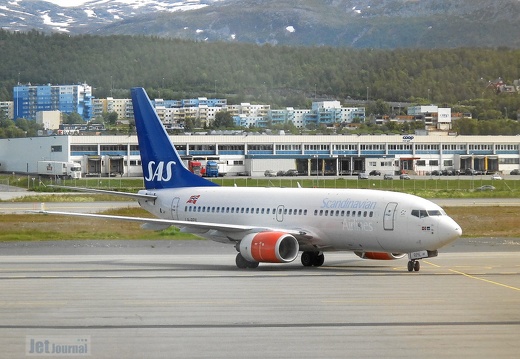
(156, 171)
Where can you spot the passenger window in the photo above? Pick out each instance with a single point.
(305, 212)
(371, 214)
(247, 210)
(268, 210)
(321, 212)
(315, 212)
(365, 214)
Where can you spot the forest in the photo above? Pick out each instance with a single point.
(277, 75)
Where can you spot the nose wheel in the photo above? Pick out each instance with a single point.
(414, 266)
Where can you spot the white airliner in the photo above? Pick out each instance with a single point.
(275, 224)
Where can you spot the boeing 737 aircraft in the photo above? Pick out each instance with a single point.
(274, 224)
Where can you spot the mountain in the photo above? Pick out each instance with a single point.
(88, 17)
(346, 23)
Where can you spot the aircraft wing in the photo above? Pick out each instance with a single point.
(135, 196)
(189, 226)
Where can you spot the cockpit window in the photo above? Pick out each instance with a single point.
(421, 213)
(435, 213)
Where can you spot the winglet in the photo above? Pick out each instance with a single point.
(162, 165)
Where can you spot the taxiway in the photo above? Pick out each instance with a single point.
(186, 299)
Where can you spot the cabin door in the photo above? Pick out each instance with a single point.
(389, 218)
(175, 207)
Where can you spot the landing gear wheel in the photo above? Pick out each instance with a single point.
(310, 259)
(320, 258)
(307, 259)
(242, 263)
(417, 266)
(252, 265)
(414, 266)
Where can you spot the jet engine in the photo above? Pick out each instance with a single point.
(380, 255)
(273, 247)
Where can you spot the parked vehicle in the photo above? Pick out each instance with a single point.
(486, 187)
(496, 176)
(515, 172)
(270, 173)
(404, 176)
(211, 169)
(362, 175)
(59, 169)
(375, 173)
(388, 177)
(195, 167)
(291, 172)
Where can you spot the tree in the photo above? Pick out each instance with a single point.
(72, 118)
(223, 119)
(110, 118)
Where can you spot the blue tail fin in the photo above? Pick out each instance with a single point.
(162, 166)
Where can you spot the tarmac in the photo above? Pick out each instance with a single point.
(187, 299)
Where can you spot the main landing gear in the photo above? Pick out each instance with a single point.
(312, 259)
(243, 263)
(414, 265)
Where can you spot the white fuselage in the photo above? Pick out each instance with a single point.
(335, 219)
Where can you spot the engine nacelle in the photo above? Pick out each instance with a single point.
(272, 247)
(382, 256)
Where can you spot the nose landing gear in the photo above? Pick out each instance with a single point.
(414, 265)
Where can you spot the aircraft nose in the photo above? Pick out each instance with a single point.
(450, 231)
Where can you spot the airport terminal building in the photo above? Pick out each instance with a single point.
(334, 155)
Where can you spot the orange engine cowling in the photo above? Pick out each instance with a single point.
(273, 247)
(382, 256)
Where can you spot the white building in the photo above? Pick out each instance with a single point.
(50, 120)
(327, 154)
